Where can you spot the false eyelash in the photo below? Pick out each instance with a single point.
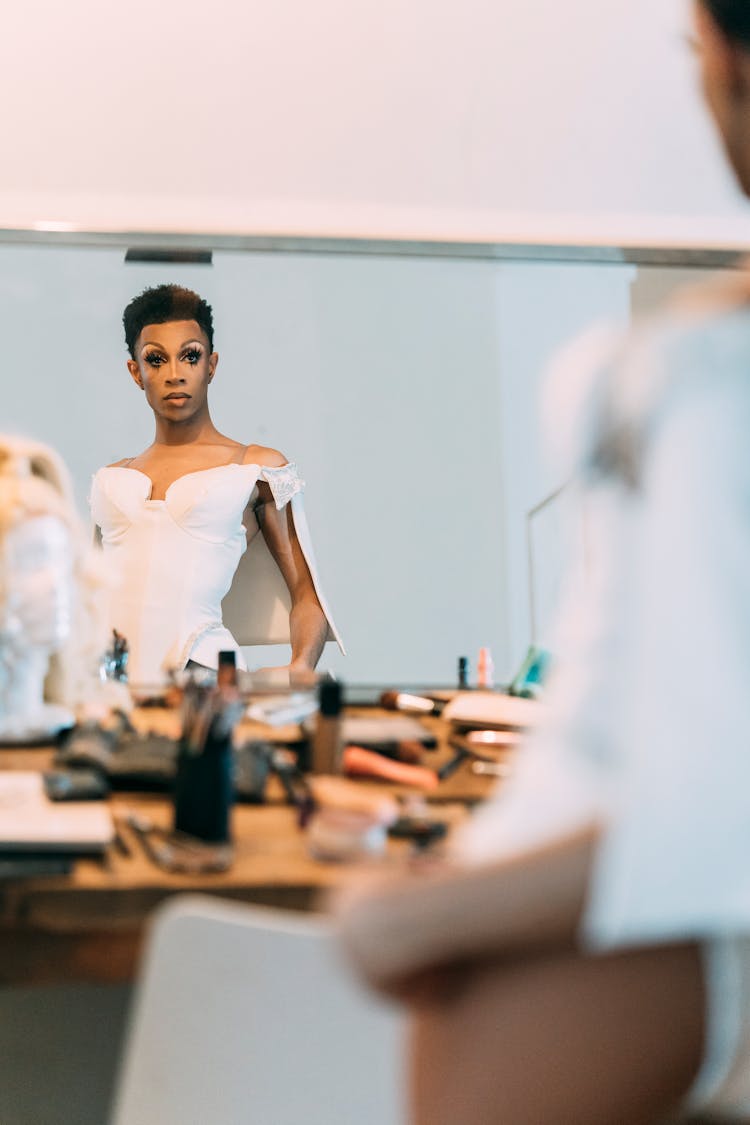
(192, 355)
(154, 359)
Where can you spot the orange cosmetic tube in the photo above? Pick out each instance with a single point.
(358, 762)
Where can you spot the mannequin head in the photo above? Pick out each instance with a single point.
(40, 556)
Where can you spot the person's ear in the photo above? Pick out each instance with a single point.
(213, 359)
(135, 373)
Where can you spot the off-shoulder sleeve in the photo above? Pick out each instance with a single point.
(256, 609)
(284, 482)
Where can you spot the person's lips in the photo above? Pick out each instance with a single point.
(177, 396)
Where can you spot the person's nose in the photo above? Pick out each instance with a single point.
(174, 373)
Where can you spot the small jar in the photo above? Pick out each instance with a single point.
(338, 836)
(348, 822)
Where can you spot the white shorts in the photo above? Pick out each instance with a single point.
(723, 1081)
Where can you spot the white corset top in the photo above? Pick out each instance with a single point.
(174, 559)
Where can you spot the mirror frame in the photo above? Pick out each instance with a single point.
(169, 244)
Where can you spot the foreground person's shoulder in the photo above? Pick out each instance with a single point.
(265, 456)
(723, 292)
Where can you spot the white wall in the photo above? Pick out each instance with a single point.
(453, 118)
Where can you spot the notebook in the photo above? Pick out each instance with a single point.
(29, 821)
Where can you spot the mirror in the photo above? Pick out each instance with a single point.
(403, 384)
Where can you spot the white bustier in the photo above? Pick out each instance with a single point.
(174, 560)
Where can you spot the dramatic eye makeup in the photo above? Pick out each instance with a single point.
(154, 359)
(191, 355)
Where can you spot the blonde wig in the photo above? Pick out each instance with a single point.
(34, 481)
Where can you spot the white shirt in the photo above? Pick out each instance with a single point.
(649, 728)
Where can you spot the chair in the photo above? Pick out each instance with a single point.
(256, 608)
(249, 1016)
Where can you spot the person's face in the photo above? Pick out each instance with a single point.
(725, 77)
(173, 366)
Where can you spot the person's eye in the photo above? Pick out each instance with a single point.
(153, 359)
(192, 355)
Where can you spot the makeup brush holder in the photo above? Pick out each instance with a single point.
(204, 790)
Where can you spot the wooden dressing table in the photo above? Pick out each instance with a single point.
(87, 926)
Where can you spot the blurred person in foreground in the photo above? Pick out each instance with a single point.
(584, 954)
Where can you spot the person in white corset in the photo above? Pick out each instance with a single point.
(175, 520)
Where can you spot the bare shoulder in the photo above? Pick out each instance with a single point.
(722, 292)
(121, 463)
(264, 455)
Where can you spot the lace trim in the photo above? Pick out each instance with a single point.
(284, 482)
(195, 636)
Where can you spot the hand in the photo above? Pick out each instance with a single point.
(362, 907)
(276, 675)
(297, 675)
(301, 675)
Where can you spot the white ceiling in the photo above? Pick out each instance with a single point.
(415, 118)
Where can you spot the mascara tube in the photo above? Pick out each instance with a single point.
(327, 738)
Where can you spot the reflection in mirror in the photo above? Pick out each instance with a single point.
(177, 517)
(404, 387)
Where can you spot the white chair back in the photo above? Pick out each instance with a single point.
(256, 608)
(249, 1016)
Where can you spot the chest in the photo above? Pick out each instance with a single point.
(164, 471)
(208, 504)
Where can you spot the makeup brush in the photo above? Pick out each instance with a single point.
(404, 701)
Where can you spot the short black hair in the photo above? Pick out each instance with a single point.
(733, 17)
(162, 304)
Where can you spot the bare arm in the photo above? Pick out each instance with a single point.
(401, 928)
(308, 625)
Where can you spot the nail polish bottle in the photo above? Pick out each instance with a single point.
(485, 669)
